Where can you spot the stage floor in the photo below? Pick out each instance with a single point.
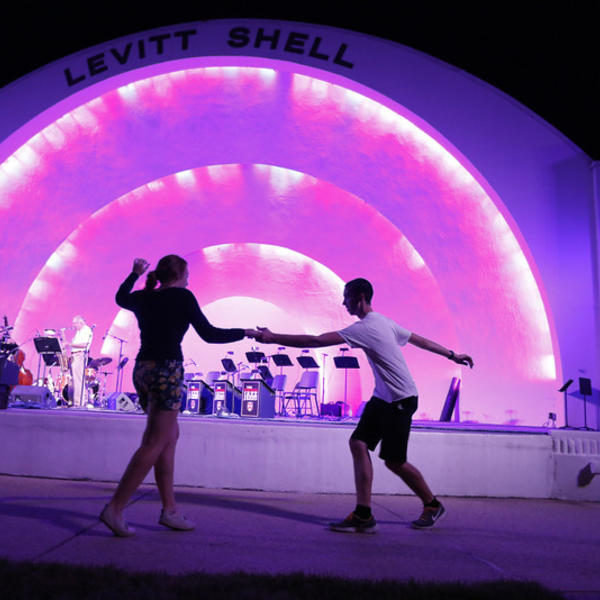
(304, 455)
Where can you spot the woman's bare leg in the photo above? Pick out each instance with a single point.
(158, 434)
(164, 471)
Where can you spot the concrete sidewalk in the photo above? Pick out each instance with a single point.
(552, 542)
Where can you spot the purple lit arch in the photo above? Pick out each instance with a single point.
(278, 182)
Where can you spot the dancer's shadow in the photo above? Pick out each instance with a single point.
(247, 505)
(58, 511)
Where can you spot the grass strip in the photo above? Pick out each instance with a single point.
(26, 580)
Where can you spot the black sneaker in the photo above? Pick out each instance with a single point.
(429, 517)
(354, 524)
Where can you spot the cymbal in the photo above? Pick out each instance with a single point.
(99, 362)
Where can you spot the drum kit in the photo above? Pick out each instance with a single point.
(94, 389)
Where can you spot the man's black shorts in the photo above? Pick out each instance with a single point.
(389, 423)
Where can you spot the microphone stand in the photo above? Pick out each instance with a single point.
(119, 365)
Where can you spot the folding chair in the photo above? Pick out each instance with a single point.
(305, 391)
(278, 386)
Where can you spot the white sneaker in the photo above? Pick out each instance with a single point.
(176, 520)
(117, 525)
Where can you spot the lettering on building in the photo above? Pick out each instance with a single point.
(294, 42)
(153, 45)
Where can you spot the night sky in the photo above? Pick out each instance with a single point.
(547, 58)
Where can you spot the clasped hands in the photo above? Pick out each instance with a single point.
(263, 335)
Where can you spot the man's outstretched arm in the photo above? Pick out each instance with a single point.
(299, 341)
(431, 346)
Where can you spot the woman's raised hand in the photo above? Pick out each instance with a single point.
(140, 265)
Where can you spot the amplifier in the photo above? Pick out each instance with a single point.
(122, 402)
(31, 396)
(258, 399)
(199, 398)
(227, 398)
(332, 409)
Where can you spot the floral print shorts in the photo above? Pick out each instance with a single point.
(160, 382)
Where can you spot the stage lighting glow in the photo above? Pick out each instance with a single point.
(54, 136)
(186, 178)
(124, 318)
(413, 259)
(66, 252)
(85, 117)
(281, 180)
(155, 186)
(288, 161)
(547, 367)
(222, 173)
(37, 292)
(14, 167)
(129, 92)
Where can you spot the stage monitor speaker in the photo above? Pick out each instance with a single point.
(9, 372)
(120, 401)
(332, 409)
(31, 396)
(258, 399)
(451, 404)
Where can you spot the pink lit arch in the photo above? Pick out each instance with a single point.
(277, 164)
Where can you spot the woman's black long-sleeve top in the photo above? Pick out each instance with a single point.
(164, 316)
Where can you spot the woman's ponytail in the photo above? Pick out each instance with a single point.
(169, 268)
(151, 280)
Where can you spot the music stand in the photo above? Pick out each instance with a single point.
(228, 365)
(255, 357)
(564, 389)
(48, 349)
(585, 389)
(281, 360)
(266, 375)
(307, 362)
(346, 362)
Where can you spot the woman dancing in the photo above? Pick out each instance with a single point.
(164, 315)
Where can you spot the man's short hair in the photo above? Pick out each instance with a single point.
(359, 286)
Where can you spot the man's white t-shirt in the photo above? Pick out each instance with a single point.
(381, 338)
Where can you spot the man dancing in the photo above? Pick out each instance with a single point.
(388, 414)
